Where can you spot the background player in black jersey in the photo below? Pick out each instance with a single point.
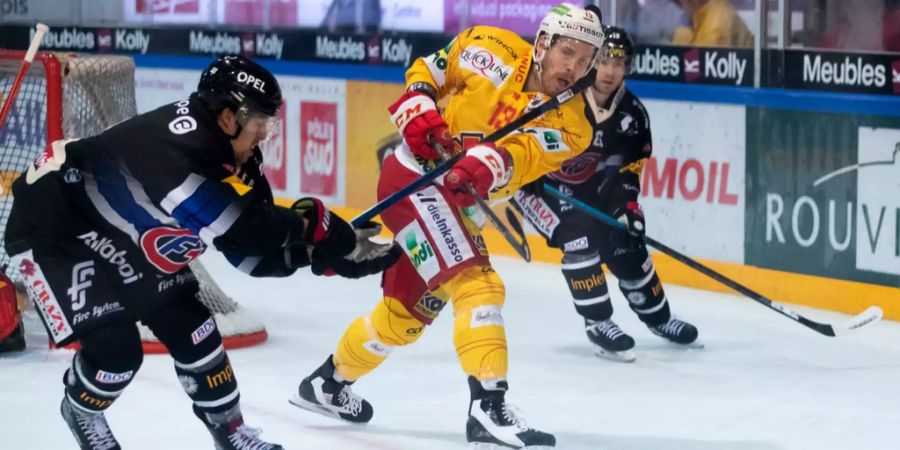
(102, 230)
(607, 176)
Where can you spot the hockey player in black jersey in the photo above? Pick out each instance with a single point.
(102, 230)
(607, 176)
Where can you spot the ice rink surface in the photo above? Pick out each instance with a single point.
(763, 382)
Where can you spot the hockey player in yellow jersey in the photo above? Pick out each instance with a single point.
(488, 76)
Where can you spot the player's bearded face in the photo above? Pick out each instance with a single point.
(610, 73)
(566, 61)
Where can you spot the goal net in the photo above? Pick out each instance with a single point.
(74, 96)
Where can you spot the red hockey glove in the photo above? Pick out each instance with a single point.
(416, 115)
(485, 167)
(330, 234)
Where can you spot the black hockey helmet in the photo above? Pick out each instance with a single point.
(618, 45)
(245, 87)
(233, 81)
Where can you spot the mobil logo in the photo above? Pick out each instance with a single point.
(318, 148)
(691, 179)
(170, 249)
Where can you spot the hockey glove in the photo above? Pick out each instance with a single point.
(367, 258)
(485, 167)
(633, 218)
(326, 231)
(416, 115)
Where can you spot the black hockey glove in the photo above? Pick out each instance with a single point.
(632, 239)
(331, 236)
(632, 217)
(369, 257)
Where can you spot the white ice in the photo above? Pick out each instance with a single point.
(763, 382)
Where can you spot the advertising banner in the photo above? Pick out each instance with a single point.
(276, 13)
(370, 137)
(274, 153)
(692, 187)
(843, 72)
(721, 66)
(167, 11)
(412, 15)
(520, 16)
(824, 195)
(318, 148)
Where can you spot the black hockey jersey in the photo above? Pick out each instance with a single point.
(159, 178)
(620, 146)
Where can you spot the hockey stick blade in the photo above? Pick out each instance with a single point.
(870, 315)
(577, 88)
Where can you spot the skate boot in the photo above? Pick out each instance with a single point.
(495, 424)
(609, 340)
(679, 332)
(229, 432)
(321, 393)
(90, 428)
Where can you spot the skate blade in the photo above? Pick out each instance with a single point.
(301, 403)
(698, 344)
(491, 446)
(626, 356)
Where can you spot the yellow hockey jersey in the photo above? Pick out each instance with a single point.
(483, 71)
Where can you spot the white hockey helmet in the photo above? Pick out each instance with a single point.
(568, 20)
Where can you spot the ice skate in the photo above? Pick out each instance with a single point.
(678, 332)
(322, 394)
(230, 433)
(609, 340)
(90, 428)
(495, 424)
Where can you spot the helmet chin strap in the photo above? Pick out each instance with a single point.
(237, 131)
(538, 66)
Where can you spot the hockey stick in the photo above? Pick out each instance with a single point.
(520, 246)
(870, 315)
(576, 88)
(26, 64)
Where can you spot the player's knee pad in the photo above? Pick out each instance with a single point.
(370, 339)
(587, 283)
(479, 335)
(646, 297)
(209, 381)
(393, 325)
